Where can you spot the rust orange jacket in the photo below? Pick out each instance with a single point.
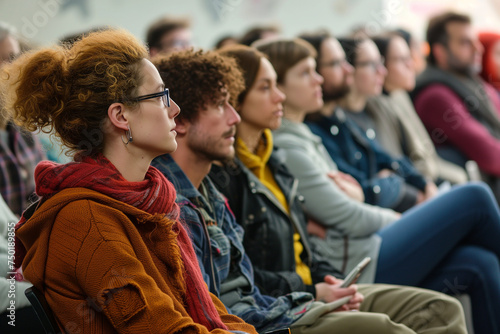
(108, 267)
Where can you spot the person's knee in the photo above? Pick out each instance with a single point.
(353, 323)
(487, 259)
(447, 308)
(472, 267)
(376, 323)
(381, 323)
(479, 260)
(478, 191)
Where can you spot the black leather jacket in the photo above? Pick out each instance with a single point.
(268, 228)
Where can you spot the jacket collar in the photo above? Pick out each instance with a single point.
(299, 130)
(259, 159)
(185, 189)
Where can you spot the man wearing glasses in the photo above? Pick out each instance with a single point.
(168, 35)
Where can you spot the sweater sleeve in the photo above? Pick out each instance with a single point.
(387, 192)
(401, 166)
(279, 283)
(109, 271)
(448, 120)
(327, 204)
(235, 324)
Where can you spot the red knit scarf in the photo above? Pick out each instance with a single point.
(154, 195)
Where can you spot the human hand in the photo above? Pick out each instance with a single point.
(384, 173)
(420, 197)
(354, 303)
(316, 229)
(330, 290)
(431, 190)
(348, 185)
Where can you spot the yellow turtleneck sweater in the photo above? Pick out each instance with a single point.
(257, 163)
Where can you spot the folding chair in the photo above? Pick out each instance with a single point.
(42, 310)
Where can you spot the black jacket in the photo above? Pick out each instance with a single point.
(268, 228)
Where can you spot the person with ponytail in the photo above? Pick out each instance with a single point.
(104, 243)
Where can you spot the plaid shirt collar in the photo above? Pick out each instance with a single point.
(185, 189)
(18, 159)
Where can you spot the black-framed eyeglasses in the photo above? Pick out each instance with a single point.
(178, 44)
(165, 97)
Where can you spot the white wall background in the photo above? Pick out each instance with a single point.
(45, 21)
(485, 13)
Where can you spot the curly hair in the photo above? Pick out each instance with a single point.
(197, 78)
(70, 90)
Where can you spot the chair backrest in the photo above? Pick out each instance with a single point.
(42, 310)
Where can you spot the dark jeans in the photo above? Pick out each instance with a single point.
(449, 244)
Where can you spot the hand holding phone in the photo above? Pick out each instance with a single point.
(279, 331)
(354, 274)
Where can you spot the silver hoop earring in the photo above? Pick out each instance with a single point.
(128, 134)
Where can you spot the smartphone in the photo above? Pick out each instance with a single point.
(354, 274)
(279, 331)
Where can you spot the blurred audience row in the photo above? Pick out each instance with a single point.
(382, 142)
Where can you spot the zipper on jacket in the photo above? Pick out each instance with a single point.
(293, 193)
(264, 191)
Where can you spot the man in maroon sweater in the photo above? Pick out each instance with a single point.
(460, 110)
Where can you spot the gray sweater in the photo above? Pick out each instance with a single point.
(351, 225)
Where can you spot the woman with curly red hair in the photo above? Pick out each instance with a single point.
(104, 243)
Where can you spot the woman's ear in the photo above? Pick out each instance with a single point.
(117, 116)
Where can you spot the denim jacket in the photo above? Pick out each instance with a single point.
(357, 155)
(217, 240)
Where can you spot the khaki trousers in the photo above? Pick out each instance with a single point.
(389, 309)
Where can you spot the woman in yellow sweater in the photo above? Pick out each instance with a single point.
(104, 244)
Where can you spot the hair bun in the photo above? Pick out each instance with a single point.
(39, 85)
